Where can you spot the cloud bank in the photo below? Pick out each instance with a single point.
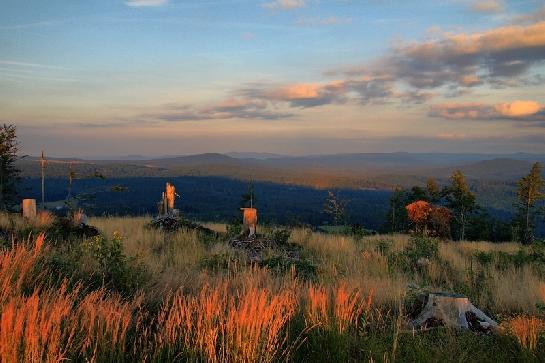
(521, 110)
(487, 6)
(144, 3)
(284, 4)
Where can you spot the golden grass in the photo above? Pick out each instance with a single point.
(238, 314)
(526, 329)
(246, 326)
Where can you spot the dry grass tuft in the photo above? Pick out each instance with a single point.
(339, 308)
(244, 327)
(526, 329)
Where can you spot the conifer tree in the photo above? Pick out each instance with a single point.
(529, 193)
(9, 173)
(335, 208)
(461, 201)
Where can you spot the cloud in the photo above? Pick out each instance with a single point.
(517, 110)
(306, 95)
(230, 108)
(284, 4)
(142, 3)
(487, 6)
(248, 36)
(534, 17)
(461, 60)
(451, 65)
(318, 21)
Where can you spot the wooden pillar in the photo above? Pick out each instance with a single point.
(249, 221)
(28, 207)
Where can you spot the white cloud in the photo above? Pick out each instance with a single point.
(318, 21)
(285, 4)
(487, 6)
(140, 3)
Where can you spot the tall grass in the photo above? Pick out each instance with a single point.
(245, 313)
(526, 330)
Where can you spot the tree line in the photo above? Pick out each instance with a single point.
(452, 211)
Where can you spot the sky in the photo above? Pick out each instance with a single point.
(109, 78)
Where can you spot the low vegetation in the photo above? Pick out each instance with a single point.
(134, 293)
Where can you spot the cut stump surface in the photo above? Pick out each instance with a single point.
(453, 310)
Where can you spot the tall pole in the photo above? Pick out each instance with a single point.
(70, 178)
(42, 168)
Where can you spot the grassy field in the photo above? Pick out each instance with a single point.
(138, 294)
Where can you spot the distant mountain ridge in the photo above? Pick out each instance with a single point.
(357, 170)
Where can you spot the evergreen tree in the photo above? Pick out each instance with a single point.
(397, 214)
(248, 199)
(415, 194)
(529, 193)
(9, 174)
(461, 201)
(335, 207)
(433, 191)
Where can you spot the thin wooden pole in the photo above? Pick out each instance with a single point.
(42, 168)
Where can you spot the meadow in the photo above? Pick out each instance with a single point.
(134, 293)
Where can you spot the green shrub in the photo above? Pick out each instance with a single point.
(234, 229)
(118, 271)
(418, 248)
(383, 246)
(218, 262)
(279, 236)
(281, 264)
(484, 258)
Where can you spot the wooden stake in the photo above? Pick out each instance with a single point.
(43, 162)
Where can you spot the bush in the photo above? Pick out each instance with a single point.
(120, 272)
(234, 229)
(279, 236)
(99, 262)
(304, 269)
(419, 248)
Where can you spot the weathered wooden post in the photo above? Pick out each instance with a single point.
(28, 207)
(43, 163)
(249, 221)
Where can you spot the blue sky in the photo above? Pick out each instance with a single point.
(288, 76)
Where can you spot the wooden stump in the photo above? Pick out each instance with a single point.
(168, 198)
(170, 192)
(452, 310)
(28, 207)
(249, 221)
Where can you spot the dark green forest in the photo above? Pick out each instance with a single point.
(213, 199)
(218, 199)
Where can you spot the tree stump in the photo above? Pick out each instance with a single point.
(28, 207)
(166, 205)
(452, 310)
(249, 221)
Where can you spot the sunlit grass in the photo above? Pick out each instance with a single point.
(231, 311)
